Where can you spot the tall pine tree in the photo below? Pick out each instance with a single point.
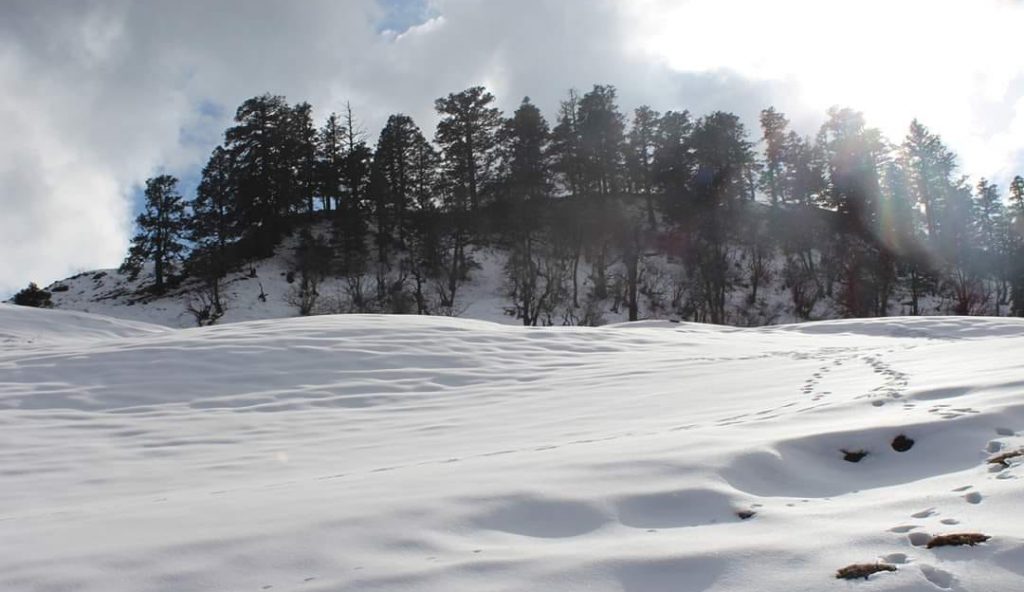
(162, 227)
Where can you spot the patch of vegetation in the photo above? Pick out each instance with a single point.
(863, 570)
(853, 455)
(33, 296)
(958, 539)
(902, 443)
(1004, 458)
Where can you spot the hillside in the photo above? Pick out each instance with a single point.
(668, 289)
(410, 453)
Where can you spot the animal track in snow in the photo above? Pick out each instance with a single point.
(939, 577)
(919, 539)
(898, 558)
(903, 528)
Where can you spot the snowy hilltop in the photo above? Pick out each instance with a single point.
(415, 453)
(596, 217)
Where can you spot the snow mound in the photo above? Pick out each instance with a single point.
(21, 326)
(426, 453)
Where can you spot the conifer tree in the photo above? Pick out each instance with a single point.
(162, 226)
(525, 139)
(641, 144)
(467, 136)
(214, 227)
(774, 136)
(525, 142)
(1015, 246)
(566, 146)
(602, 140)
(331, 161)
(264, 170)
(301, 161)
(674, 163)
(357, 160)
(930, 166)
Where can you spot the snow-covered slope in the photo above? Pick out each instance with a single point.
(256, 293)
(367, 453)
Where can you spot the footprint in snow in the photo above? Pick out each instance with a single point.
(903, 528)
(898, 558)
(919, 539)
(973, 498)
(924, 513)
(939, 577)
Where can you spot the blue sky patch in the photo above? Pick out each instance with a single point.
(401, 15)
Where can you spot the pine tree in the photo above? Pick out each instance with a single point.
(162, 226)
(990, 212)
(214, 227)
(602, 141)
(358, 157)
(851, 154)
(720, 183)
(401, 149)
(525, 144)
(1015, 245)
(525, 140)
(723, 157)
(301, 161)
(331, 162)
(566, 146)
(674, 163)
(263, 171)
(993, 239)
(642, 142)
(930, 166)
(774, 136)
(803, 181)
(346, 170)
(467, 136)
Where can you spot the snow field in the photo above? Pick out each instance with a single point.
(425, 453)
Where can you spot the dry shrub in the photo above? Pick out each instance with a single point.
(853, 455)
(1004, 458)
(863, 570)
(958, 539)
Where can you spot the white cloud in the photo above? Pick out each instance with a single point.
(953, 64)
(101, 95)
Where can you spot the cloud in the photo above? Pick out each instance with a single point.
(101, 95)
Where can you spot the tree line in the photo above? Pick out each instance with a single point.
(651, 213)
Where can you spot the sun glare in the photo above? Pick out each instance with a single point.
(946, 63)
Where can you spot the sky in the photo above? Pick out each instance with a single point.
(99, 95)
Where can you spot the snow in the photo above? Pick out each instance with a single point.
(345, 453)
